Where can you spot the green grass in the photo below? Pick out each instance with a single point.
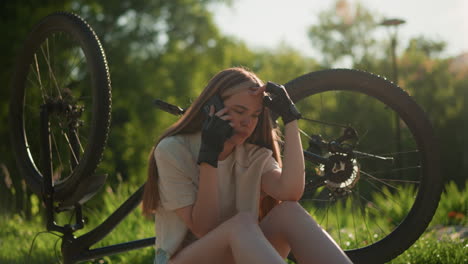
(434, 246)
(433, 249)
(17, 235)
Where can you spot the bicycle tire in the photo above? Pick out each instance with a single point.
(81, 81)
(344, 81)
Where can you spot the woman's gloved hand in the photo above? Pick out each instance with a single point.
(215, 131)
(279, 102)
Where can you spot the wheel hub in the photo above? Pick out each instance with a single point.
(66, 107)
(342, 173)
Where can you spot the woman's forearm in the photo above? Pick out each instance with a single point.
(205, 213)
(292, 176)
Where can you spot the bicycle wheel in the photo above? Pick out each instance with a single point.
(62, 66)
(383, 185)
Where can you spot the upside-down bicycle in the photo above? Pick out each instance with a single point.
(371, 150)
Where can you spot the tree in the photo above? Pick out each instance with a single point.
(16, 20)
(152, 47)
(343, 33)
(156, 49)
(439, 90)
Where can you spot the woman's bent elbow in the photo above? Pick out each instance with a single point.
(294, 198)
(293, 195)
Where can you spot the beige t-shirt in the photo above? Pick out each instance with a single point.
(239, 178)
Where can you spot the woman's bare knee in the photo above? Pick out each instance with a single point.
(242, 221)
(287, 208)
(216, 246)
(290, 204)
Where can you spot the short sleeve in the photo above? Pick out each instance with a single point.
(260, 157)
(270, 164)
(176, 171)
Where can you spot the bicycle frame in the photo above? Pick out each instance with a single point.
(75, 249)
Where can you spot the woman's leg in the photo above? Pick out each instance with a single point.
(238, 240)
(289, 227)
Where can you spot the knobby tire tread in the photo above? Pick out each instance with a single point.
(430, 189)
(96, 61)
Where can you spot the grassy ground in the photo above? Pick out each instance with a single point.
(443, 242)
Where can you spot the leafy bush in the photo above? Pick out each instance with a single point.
(453, 206)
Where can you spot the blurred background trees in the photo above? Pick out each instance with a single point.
(169, 50)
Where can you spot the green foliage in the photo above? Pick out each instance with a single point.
(146, 63)
(343, 33)
(15, 231)
(169, 50)
(355, 221)
(385, 201)
(16, 20)
(431, 82)
(354, 224)
(282, 64)
(16, 241)
(453, 206)
(432, 247)
(155, 49)
(133, 227)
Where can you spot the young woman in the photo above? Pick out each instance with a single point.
(219, 189)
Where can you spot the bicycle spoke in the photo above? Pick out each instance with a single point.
(38, 76)
(362, 136)
(79, 142)
(75, 65)
(354, 225)
(368, 155)
(304, 133)
(70, 147)
(401, 152)
(379, 180)
(75, 157)
(402, 181)
(328, 123)
(51, 73)
(380, 191)
(57, 149)
(392, 170)
(326, 216)
(326, 213)
(379, 211)
(395, 170)
(364, 217)
(38, 87)
(52, 58)
(338, 224)
(315, 211)
(386, 147)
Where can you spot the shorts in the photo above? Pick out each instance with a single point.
(161, 257)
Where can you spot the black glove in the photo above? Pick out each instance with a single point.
(279, 102)
(215, 132)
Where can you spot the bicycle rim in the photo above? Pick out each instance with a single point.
(62, 65)
(388, 189)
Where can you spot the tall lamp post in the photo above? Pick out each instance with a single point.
(393, 24)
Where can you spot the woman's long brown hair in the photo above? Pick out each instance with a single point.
(264, 134)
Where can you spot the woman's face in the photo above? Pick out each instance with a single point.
(244, 109)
